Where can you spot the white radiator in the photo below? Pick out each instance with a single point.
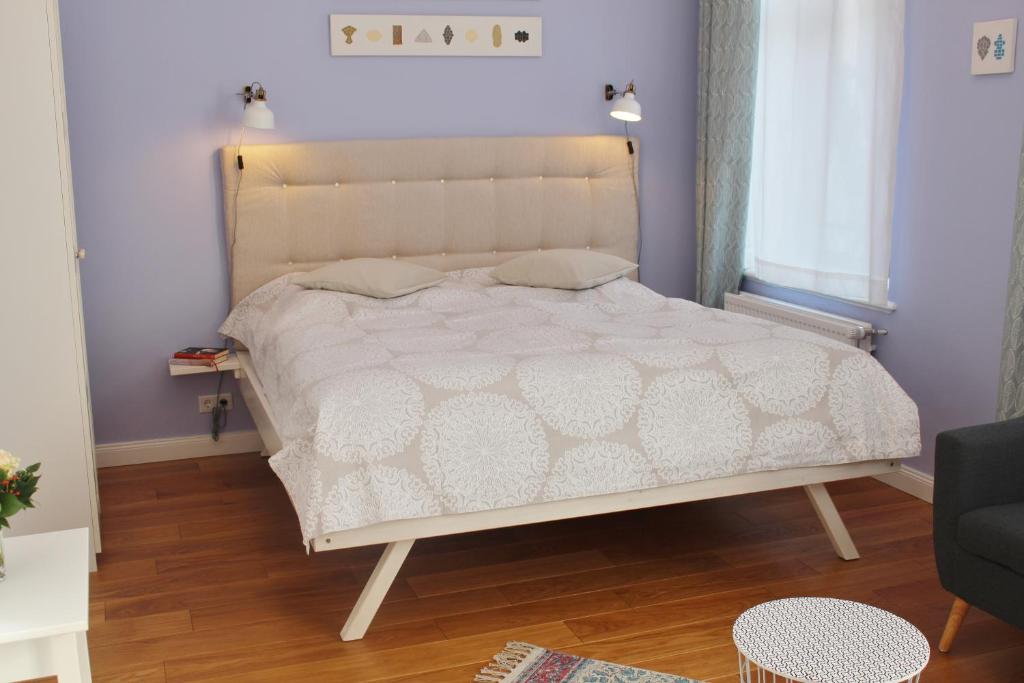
(853, 332)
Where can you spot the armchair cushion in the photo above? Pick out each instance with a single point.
(995, 533)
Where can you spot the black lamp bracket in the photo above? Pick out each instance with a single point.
(254, 92)
(610, 92)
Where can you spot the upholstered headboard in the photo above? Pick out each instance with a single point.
(448, 203)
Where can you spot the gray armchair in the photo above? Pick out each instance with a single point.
(979, 521)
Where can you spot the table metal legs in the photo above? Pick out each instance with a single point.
(751, 673)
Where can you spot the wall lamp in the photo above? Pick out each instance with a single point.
(256, 113)
(626, 108)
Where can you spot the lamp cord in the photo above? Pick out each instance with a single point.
(636, 193)
(219, 413)
(238, 187)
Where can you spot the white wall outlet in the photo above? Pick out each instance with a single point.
(207, 403)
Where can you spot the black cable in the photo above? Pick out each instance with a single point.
(219, 413)
(234, 202)
(636, 193)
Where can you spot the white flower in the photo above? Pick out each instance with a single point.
(8, 463)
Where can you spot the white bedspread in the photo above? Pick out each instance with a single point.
(474, 395)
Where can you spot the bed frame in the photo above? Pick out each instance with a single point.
(450, 204)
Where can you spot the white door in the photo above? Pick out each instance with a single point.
(44, 400)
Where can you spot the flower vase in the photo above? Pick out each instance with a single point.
(3, 566)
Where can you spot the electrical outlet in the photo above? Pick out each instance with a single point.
(207, 403)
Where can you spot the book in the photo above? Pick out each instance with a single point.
(197, 361)
(202, 353)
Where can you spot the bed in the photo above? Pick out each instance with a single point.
(473, 405)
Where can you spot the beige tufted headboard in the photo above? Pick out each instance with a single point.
(448, 203)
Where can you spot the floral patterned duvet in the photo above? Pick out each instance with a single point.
(474, 395)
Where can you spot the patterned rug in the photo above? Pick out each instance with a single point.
(525, 663)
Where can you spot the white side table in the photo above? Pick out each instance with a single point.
(825, 640)
(44, 607)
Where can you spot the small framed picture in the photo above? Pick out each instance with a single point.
(993, 46)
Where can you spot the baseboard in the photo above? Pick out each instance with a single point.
(909, 480)
(177, 448)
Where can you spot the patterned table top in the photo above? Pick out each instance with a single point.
(825, 640)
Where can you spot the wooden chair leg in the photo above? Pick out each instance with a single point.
(956, 617)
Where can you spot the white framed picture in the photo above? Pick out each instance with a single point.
(405, 35)
(993, 46)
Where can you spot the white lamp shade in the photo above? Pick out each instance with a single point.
(258, 115)
(626, 108)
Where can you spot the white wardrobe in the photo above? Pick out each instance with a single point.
(44, 391)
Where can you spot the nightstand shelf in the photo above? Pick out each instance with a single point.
(230, 365)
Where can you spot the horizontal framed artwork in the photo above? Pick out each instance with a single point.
(406, 35)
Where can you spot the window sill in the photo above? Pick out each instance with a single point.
(888, 308)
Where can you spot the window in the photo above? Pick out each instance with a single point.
(826, 120)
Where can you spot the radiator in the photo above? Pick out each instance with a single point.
(853, 332)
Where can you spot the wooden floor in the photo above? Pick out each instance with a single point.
(203, 578)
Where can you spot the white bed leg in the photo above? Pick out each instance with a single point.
(833, 523)
(375, 589)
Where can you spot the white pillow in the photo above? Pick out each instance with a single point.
(376, 277)
(563, 269)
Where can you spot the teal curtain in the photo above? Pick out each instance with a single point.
(727, 85)
(1011, 371)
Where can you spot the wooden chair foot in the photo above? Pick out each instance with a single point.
(956, 617)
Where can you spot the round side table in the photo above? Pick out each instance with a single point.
(825, 640)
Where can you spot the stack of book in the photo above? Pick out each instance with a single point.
(196, 355)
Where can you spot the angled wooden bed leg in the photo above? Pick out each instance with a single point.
(833, 523)
(375, 589)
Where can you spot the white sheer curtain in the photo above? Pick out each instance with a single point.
(826, 120)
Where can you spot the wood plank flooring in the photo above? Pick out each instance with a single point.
(203, 577)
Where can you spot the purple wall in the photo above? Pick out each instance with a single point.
(955, 190)
(150, 90)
